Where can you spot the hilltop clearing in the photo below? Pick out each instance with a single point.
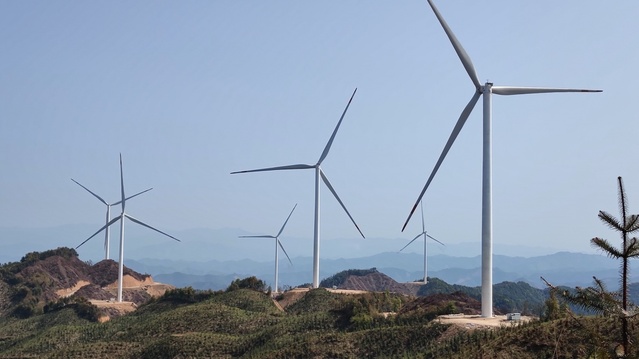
(473, 322)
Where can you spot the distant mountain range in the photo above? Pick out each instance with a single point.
(564, 268)
(209, 258)
(203, 244)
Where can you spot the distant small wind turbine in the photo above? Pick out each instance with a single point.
(277, 243)
(486, 90)
(426, 236)
(318, 174)
(121, 218)
(107, 234)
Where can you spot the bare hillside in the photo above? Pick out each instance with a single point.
(374, 282)
(46, 277)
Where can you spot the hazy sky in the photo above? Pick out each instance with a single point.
(190, 91)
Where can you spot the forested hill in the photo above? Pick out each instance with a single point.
(185, 323)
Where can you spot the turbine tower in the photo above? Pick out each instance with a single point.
(277, 243)
(486, 90)
(426, 236)
(121, 218)
(318, 174)
(107, 232)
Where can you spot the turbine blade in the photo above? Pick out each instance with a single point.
(511, 90)
(147, 226)
(123, 200)
(413, 240)
(278, 168)
(284, 250)
(458, 126)
(433, 238)
(100, 230)
(463, 56)
(135, 195)
(421, 206)
(88, 190)
(328, 184)
(330, 141)
(262, 236)
(287, 218)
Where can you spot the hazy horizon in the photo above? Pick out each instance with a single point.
(203, 244)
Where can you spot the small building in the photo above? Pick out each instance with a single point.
(513, 316)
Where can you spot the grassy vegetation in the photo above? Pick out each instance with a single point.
(239, 323)
(246, 323)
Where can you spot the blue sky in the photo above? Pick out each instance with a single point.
(190, 91)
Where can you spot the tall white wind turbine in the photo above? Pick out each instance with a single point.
(426, 236)
(107, 232)
(121, 218)
(318, 174)
(486, 90)
(277, 243)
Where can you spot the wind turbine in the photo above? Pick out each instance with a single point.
(426, 236)
(277, 243)
(318, 174)
(121, 218)
(107, 233)
(486, 90)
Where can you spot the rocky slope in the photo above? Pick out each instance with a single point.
(374, 282)
(39, 279)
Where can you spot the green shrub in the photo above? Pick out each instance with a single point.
(24, 311)
(186, 295)
(63, 252)
(80, 305)
(247, 283)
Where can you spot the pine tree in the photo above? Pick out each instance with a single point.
(553, 310)
(597, 298)
(630, 249)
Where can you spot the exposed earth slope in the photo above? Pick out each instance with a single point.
(40, 280)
